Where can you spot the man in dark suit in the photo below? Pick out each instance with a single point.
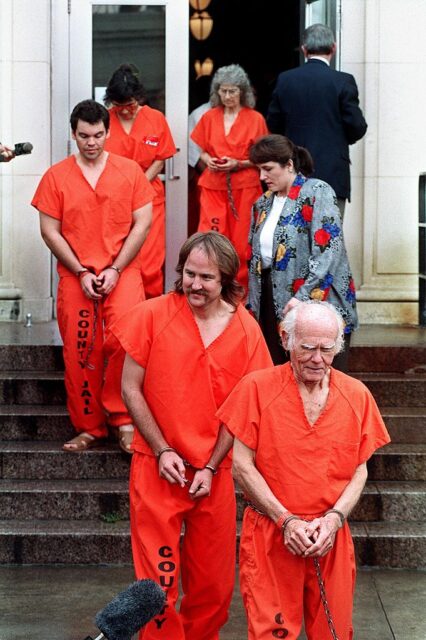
(318, 108)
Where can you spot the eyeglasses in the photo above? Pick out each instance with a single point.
(230, 92)
(129, 106)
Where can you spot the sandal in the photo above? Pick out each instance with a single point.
(125, 438)
(81, 442)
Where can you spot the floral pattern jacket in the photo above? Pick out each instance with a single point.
(310, 260)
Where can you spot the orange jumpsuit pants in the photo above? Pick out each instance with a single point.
(93, 388)
(280, 589)
(206, 560)
(153, 250)
(216, 215)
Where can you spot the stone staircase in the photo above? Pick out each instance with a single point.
(57, 507)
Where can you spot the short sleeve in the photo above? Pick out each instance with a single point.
(241, 412)
(143, 193)
(167, 147)
(47, 198)
(198, 134)
(134, 332)
(373, 430)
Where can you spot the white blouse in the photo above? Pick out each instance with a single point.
(267, 233)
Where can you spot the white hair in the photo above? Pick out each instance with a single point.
(288, 324)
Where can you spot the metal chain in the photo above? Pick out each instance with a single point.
(324, 599)
(231, 197)
(86, 362)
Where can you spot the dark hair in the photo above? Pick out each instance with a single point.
(124, 85)
(218, 248)
(89, 111)
(317, 39)
(276, 148)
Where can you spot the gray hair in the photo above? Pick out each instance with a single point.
(318, 38)
(288, 324)
(232, 74)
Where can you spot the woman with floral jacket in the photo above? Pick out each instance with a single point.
(296, 237)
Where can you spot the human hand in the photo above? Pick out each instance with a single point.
(89, 283)
(213, 163)
(108, 279)
(201, 484)
(7, 153)
(172, 468)
(322, 531)
(297, 541)
(226, 164)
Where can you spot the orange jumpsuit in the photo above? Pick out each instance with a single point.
(307, 468)
(184, 385)
(215, 207)
(149, 140)
(95, 223)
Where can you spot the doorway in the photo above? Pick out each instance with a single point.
(261, 37)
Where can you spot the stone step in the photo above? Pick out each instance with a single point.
(389, 358)
(64, 542)
(49, 422)
(384, 544)
(64, 499)
(47, 387)
(390, 544)
(31, 357)
(398, 462)
(106, 498)
(405, 424)
(35, 422)
(32, 387)
(396, 390)
(405, 501)
(47, 461)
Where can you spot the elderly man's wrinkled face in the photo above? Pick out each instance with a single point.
(314, 348)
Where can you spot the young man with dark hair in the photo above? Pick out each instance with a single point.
(95, 213)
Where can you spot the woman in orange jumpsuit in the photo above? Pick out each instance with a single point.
(230, 183)
(141, 133)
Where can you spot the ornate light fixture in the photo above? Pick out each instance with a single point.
(204, 68)
(199, 5)
(201, 25)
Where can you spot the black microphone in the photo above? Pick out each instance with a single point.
(130, 610)
(21, 149)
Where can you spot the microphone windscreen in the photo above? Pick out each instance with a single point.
(130, 610)
(22, 148)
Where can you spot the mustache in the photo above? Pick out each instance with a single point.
(200, 292)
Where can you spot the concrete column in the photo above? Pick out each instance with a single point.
(25, 266)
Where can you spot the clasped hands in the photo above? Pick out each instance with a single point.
(172, 468)
(222, 164)
(99, 286)
(312, 539)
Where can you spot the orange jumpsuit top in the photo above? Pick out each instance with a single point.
(95, 222)
(185, 382)
(307, 467)
(209, 134)
(149, 139)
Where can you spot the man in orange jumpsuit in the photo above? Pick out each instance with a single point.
(231, 186)
(185, 351)
(303, 434)
(147, 140)
(95, 212)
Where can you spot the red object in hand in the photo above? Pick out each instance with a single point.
(221, 161)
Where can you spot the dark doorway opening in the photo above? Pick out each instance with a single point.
(260, 35)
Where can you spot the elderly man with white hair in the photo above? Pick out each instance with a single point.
(303, 434)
